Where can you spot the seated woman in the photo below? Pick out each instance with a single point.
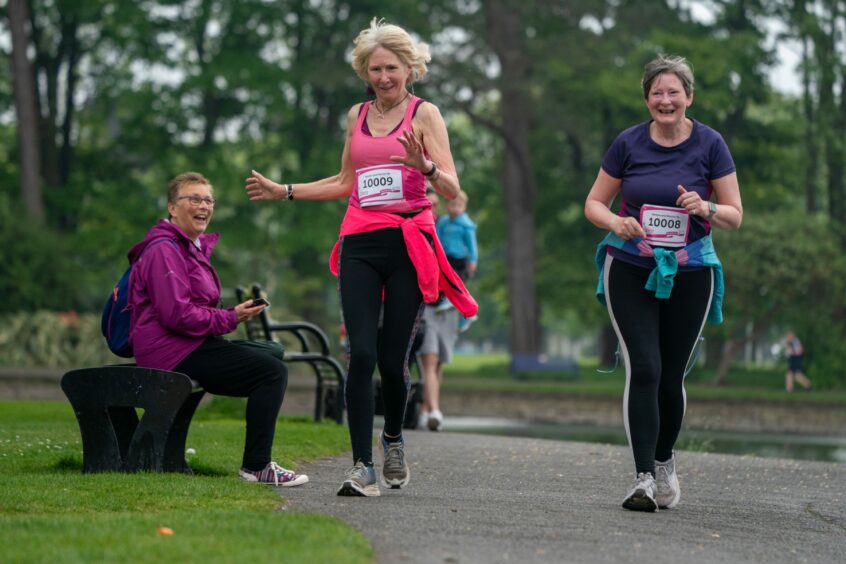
(176, 324)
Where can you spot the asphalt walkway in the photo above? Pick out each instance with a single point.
(486, 499)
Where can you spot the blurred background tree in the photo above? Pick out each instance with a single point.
(102, 101)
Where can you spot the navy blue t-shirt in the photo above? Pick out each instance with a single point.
(651, 173)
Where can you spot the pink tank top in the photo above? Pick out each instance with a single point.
(382, 185)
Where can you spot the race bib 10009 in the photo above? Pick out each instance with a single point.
(665, 226)
(380, 184)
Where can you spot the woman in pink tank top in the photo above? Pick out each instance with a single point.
(395, 143)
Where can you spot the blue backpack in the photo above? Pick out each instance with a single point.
(114, 322)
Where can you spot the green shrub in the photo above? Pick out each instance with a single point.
(39, 270)
(53, 340)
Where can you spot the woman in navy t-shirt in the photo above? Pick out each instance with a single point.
(666, 171)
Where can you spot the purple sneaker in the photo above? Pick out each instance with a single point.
(273, 474)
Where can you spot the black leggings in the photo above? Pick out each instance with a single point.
(657, 338)
(374, 263)
(227, 369)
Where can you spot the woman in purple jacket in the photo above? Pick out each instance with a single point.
(176, 324)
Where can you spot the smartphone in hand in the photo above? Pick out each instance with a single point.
(260, 302)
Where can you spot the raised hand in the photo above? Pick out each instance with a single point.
(414, 156)
(260, 188)
(692, 202)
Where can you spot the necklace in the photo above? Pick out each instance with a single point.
(389, 108)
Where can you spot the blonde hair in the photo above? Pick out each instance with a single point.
(394, 39)
(462, 197)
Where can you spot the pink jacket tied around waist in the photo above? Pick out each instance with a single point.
(434, 274)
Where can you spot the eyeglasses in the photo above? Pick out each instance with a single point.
(196, 200)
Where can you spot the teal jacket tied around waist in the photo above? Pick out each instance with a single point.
(699, 253)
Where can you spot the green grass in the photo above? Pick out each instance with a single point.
(490, 372)
(49, 511)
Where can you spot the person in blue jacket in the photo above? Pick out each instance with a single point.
(659, 274)
(457, 233)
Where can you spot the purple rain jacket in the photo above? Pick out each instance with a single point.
(173, 296)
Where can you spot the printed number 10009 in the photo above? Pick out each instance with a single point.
(378, 181)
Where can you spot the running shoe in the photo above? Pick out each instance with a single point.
(423, 421)
(395, 472)
(361, 481)
(465, 322)
(273, 474)
(642, 495)
(436, 420)
(667, 484)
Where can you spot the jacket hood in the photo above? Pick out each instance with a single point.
(167, 230)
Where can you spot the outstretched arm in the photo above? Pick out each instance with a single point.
(338, 186)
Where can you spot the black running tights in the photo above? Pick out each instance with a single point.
(374, 264)
(657, 338)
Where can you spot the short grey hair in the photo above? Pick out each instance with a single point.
(667, 64)
(394, 39)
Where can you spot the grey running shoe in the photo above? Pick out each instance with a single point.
(395, 472)
(642, 495)
(667, 484)
(361, 481)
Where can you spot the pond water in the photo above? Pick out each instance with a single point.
(799, 447)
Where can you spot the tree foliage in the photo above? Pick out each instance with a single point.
(132, 93)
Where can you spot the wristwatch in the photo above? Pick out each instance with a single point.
(712, 209)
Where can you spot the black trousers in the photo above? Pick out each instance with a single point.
(374, 265)
(657, 338)
(227, 369)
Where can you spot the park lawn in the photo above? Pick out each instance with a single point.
(490, 372)
(50, 511)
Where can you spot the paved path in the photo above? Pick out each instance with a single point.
(477, 498)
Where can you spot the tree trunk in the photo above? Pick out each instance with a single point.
(811, 149)
(505, 34)
(826, 58)
(27, 115)
(69, 30)
(734, 345)
(730, 350)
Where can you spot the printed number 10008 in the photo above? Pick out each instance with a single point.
(663, 222)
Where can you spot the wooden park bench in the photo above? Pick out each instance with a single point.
(313, 350)
(114, 439)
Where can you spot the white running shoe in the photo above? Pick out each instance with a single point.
(422, 421)
(642, 495)
(436, 420)
(667, 484)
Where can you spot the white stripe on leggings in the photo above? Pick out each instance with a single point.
(624, 351)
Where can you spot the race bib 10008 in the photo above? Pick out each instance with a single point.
(380, 184)
(665, 226)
